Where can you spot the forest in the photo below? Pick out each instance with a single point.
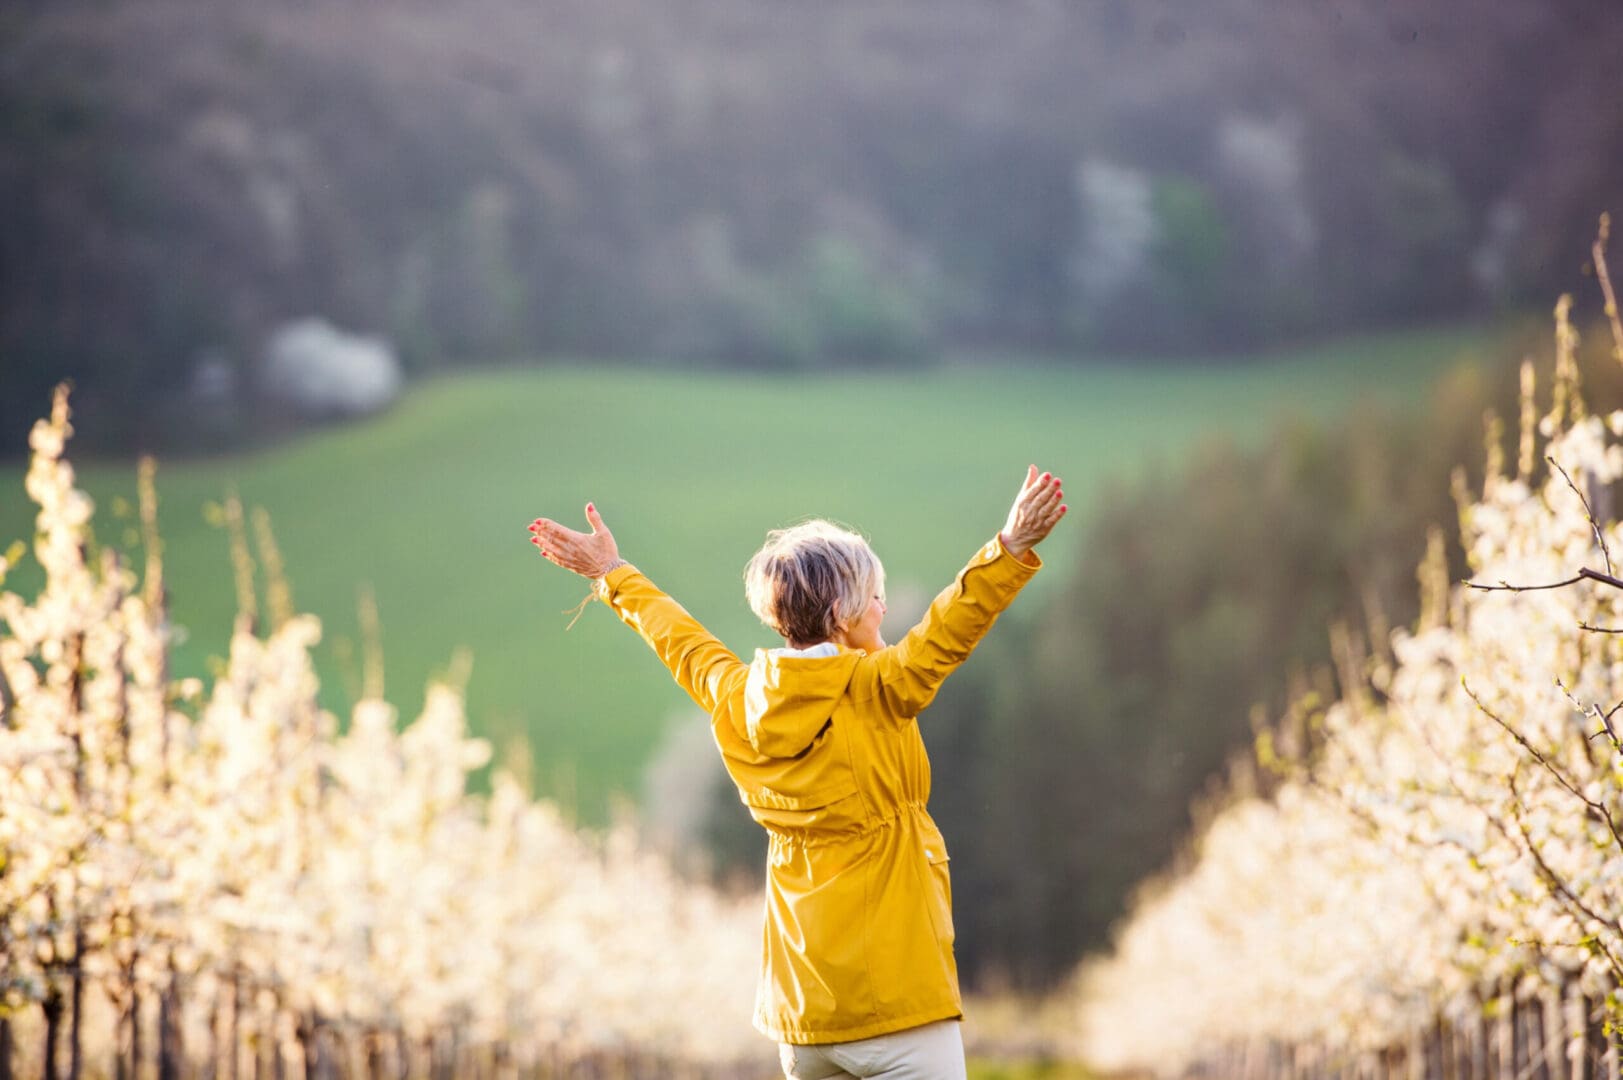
(774, 186)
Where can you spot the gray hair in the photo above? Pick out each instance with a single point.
(794, 582)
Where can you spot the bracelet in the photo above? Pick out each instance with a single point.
(611, 568)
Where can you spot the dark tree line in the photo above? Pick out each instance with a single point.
(781, 185)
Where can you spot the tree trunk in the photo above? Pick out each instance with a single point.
(305, 1032)
(1555, 1036)
(1481, 1049)
(1437, 1063)
(52, 1006)
(170, 1051)
(233, 1044)
(1504, 1037)
(5, 1048)
(137, 1046)
(211, 1066)
(1594, 1038)
(1572, 1025)
(278, 1062)
(76, 1024)
(444, 1066)
(374, 1055)
(1537, 1067)
(1520, 1056)
(261, 1035)
(127, 1063)
(1543, 1034)
(122, 1029)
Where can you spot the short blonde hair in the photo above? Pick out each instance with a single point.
(801, 573)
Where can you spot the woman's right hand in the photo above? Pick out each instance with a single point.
(590, 554)
(1036, 510)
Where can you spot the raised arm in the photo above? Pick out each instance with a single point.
(700, 663)
(913, 669)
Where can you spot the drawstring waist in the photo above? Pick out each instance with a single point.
(782, 839)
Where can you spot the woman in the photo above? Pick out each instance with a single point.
(821, 738)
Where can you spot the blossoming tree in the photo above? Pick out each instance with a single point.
(218, 878)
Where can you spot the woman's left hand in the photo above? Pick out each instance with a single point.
(590, 554)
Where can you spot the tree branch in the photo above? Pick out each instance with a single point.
(1586, 572)
(1597, 810)
(1594, 526)
(1553, 881)
(1604, 717)
(1505, 586)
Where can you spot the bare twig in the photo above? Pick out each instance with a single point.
(1597, 810)
(1607, 729)
(1605, 717)
(1581, 575)
(1536, 943)
(1594, 526)
(1505, 586)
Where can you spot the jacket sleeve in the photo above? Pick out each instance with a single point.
(910, 672)
(699, 662)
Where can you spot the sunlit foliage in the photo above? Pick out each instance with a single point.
(221, 873)
(1445, 839)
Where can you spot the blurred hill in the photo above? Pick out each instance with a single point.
(423, 512)
(769, 184)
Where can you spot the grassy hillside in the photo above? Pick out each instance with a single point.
(429, 505)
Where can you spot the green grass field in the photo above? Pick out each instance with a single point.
(428, 505)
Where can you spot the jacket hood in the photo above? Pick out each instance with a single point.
(789, 699)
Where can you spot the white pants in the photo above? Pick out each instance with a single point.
(929, 1052)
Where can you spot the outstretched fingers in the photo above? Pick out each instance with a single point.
(1044, 505)
(1046, 492)
(587, 553)
(552, 538)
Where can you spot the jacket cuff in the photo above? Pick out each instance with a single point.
(995, 550)
(608, 583)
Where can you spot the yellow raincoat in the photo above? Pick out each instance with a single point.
(826, 753)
